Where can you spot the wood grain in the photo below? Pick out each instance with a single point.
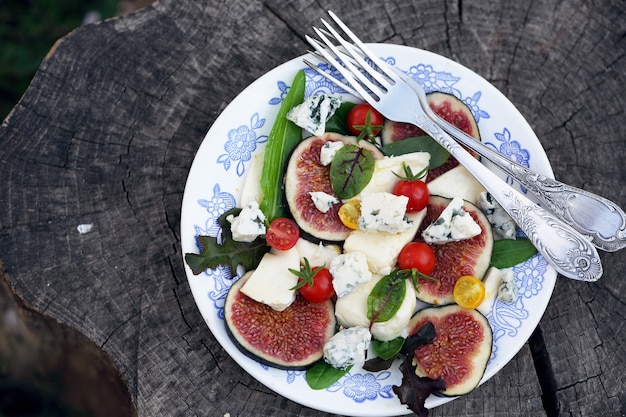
(109, 126)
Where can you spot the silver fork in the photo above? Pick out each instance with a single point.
(571, 254)
(595, 217)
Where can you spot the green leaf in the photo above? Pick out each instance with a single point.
(386, 297)
(230, 253)
(282, 139)
(337, 122)
(388, 349)
(322, 375)
(510, 252)
(351, 170)
(438, 155)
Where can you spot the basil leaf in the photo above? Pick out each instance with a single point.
(388, 349)
(337, 122)
(282, 139)
(510, 252)
(386, 297)
(322, 375)
(438, 154)
(351, 170)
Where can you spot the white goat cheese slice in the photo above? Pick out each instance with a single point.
(317, 254)
(351, 310)
(502, 224)
(383, 212)
(454, 224)
(249, 224)
(271, 282)
(328, 151)
(348, 271)
(312, 114)
(323, 201)
(385, 170)
(457, 182)
(347, 347)
(381, 249)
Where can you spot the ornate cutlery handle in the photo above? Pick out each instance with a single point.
(571, 254)
(598, 218)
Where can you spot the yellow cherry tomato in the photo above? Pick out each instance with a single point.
(469, 292)
(349, 213)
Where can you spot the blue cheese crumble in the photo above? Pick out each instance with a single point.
(508, 291)
(452, 225)
(249, 224)
(348, 271)
(502, 224)
(314, 112)
(323, 201)
(328, 151)
(347, 347)
(383, 212)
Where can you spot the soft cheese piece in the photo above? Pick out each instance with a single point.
(381, 249)
(348, 271)
(454, 224)
(312, 114)
(385, 169)
(502, 224)
(251, 190)
(383, 212)
(271, 281)
(508, 291)
(249, 224)
(457, 182)
(318, 254)
(351, 310)
(347, 347)
(492, 281)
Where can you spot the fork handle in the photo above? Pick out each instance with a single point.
(596, 217)
(571, 254)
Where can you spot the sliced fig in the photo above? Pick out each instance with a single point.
(449, 108)
(305, 174)
(454, 259)
(290, 339)
(460, 350)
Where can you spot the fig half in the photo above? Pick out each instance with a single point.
(460, 350)
(454, 259)
(305, 173)
(448, 107)
(290, 339)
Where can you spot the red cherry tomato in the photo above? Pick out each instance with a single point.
(282, 234)
(357, 116)
(322, 288)
(416, 191)
(417, 255)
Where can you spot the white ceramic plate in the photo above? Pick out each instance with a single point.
(225, 156)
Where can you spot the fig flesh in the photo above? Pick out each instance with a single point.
(290, 339)
(305, 174)
(449, 108)
(460, 350)
(454, 259)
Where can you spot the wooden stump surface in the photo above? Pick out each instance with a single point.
(106, 133)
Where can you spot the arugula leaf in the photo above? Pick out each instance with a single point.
(337, 122)
(388, 349)
(386, 297)
(229, 253)
(510, 252)
(282, 139)
(414, 390)
(322, 375)
(351, 170)
(438, 154)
